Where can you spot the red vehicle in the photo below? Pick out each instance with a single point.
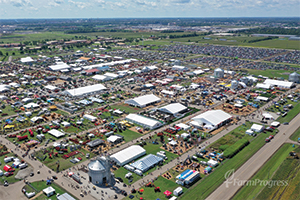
(20, 138)
(271, 137)
(8, 174)
(267, 140)
(31, 133)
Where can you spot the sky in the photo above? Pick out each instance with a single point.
(14, 9)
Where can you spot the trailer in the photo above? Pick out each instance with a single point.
(192, 178)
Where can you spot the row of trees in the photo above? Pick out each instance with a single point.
(267, 30)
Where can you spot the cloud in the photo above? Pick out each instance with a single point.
(56, 3)
(182, 1)
(79, 4)
(18, 3)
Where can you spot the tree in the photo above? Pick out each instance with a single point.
(1, 54)
(6, 54)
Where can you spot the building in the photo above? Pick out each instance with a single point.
(175, 109)
(65, 196)
(95, 143)
(87, 90)
(211, 119)
(147, 162)
(99, 172)
(49, 191)
(26, 60)
(180, 68)
(219, 73)
(127, 155)
(56, 133)
(276, 83)
(100, 78)
(90, 72)
(294, 77)
(50, 78)
(143, 101)
(144, 121)
(59, 66)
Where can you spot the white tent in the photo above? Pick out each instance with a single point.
(89, 117)
(257, 128)
(267, 116)
(212, 119)
(144, 121)
(173, 108)
(275, 124)
(85, 90)
(183, 126)
(127, 155)
(143, 101)
(113, 138)
(56, 133)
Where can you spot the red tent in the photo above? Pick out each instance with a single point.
(167, 193)
(7, 168)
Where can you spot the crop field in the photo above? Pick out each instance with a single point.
(279, 167)
(270, 73)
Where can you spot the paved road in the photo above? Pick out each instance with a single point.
(248, 169)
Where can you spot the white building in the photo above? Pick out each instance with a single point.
(211, 119)
(144, 121)
(175, 109)
(56, 133)
(180, 68)
(143, 101)
(59, 66)
(97, 88)
(127, 155)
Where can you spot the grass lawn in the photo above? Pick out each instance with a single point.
(291, 114)
(64, 163)
(10, 179)
(270, 73)
(233, 136)
(296, 135)
(40, 185)
(129, 135)
(208, 184)
(266, 173)
(164, 185)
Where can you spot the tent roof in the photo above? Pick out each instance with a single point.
(173, 108)
(214, 117)
(56, 133)
(143, 100)
(146, 162)
(126, 155)
(85, 90)
(142, 120)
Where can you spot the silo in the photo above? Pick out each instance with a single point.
(219, 73)
(245, 80)
(234, 84)
(99, 172)
(294, 77)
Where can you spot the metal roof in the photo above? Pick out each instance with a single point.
(146, 162)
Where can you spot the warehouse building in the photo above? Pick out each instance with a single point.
(211, 119)
(127, 155)
(147, 162)
(144, 121)
(143, 101)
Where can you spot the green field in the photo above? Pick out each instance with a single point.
(163, 184)
(40, 185)
(10, 179)
(278, 167)
(270, 73)
(291, 114)
(208, 184)
(296, 135)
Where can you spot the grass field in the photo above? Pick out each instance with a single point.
(277, 166)
(40, 185)
(126, 108)
(233, 136)
(291, 114)
(208, 184)
(164, 185)
(296, 135)
(10, 179)
(270, 73)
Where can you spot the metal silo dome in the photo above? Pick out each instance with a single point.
(234, 84)
(219, 73)
(294, 77)
(244, 80)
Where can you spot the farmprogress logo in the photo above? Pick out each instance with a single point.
(230, 180)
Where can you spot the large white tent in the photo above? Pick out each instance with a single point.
(59, 66)
(85, 90)
(129, 154)
(56, 133)
(173, 108)
(211, 119)
(143, 101)
(144, 121)
(147, 162)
